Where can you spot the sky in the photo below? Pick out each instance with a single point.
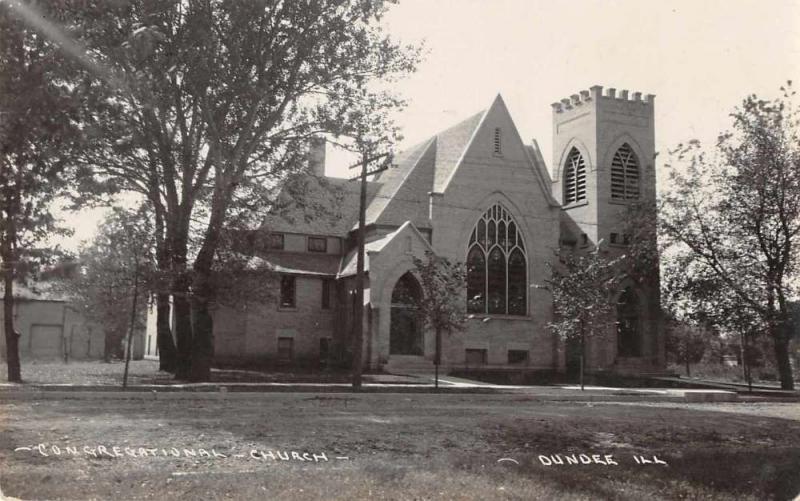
(699, 57)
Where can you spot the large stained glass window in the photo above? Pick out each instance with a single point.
(497, 270)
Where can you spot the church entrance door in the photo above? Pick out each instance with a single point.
(405, 335)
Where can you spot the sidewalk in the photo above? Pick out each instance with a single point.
(381, 383)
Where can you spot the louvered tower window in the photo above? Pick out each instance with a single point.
(574, 178)
(625, 174)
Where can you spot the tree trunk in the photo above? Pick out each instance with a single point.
(203, 330)
(183, 328)
(167, 356)
(781, 344)
(438, 355)
(12, 339)
(181, 304)
(203, 292)
(167, 353)
(132, 329)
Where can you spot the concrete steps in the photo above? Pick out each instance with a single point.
(408, 364)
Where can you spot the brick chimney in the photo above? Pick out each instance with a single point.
(316, 156)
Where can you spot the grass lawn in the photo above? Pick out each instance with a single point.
(398, 446)
(146, 372)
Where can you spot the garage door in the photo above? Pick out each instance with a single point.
(46, 341)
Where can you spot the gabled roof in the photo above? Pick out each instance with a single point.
(329, 206)
(350, 261)
(403, 192)
(317, 206)
(451, 145)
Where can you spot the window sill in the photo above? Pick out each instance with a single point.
(620, 201)
(576, 204)
(483, 317)
(287, 308)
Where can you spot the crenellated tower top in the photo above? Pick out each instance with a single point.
(595, 94)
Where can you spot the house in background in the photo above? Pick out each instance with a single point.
(51, 329)
(474, 193)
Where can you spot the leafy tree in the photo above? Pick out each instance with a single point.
(441, 304)
(216, 102)
(687, 343)
(39, 115)
(734, 213)
(117, 271)
(584, 287)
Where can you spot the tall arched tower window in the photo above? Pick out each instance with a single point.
(625, 174)
(497, 270)
(629, 343)
(574, 177)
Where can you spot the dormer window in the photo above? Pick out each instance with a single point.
(498, 141)
(275, 241)
(317, 244)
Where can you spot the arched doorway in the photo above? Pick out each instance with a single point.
(405, 333)
(629, 339)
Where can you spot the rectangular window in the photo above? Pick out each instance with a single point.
(275, 241)
(285, 349)
(326, 293)
(584, 239)
(518, 357)
(475, 357)
(626, 238)
(317, 244)
(324, 349)
(288, 292)
(614, 238)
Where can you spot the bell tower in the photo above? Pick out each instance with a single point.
(603, 158)
(603, 163)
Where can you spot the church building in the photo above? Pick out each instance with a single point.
(475, 193)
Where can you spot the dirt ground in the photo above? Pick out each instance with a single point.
(390, 446)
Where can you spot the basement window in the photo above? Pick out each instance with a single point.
(517, 357)
(285, 349)
(475, 357)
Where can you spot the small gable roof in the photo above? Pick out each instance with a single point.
(350, 261)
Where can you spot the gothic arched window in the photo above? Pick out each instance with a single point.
(574, 178)
(628, 335)
(625, 174)
(497, 270)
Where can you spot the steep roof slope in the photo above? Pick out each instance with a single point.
(329, 206)
(403, 192)
(317, 206)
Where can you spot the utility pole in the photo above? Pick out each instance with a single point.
(358, 337)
